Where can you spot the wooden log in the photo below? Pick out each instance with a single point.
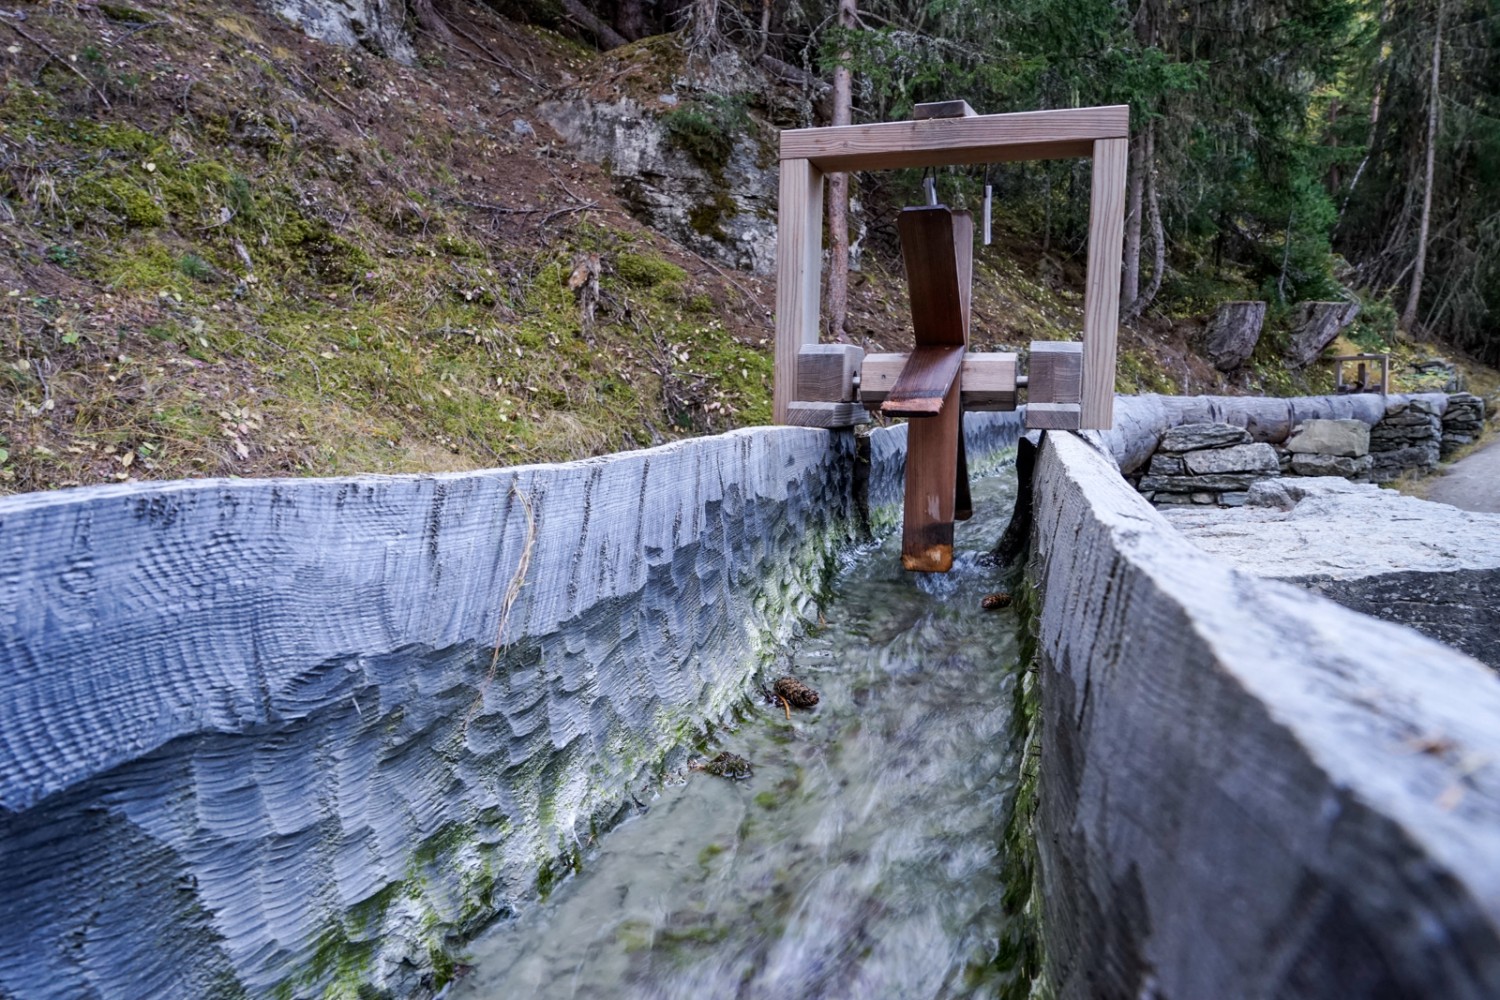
(931, 474)
(1053, 417)
(922, 387)
(1028, 135)
(830, 415)
(1055, 372)
(799, 254)
(1101, 297)
(826, 372)
(988, 380)
(942, 109)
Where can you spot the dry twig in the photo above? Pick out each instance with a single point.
(52, 54)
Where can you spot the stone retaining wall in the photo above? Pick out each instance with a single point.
(1246, 790)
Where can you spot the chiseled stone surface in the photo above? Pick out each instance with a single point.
(1257, 457)
(254, 735)
(1247, 790)
(1191, 437)
(1427, 565)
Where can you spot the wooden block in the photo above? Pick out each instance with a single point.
(826, 372)
(988, 380)
(942, 109)
(830, 415)
(1052, 416)
(935, 266)
(931, 475)
(799, 256)
(1101, 296)
(923, 384)
(1028, 135)
(1055, 372)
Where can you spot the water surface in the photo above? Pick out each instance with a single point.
(862, 859)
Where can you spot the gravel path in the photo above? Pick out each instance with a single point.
(1472, 483)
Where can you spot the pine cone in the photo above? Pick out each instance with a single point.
(797, 694)
(993, 601)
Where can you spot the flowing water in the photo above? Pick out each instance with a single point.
(862, 859)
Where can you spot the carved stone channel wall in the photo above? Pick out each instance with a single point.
(254, 736)
(1246, 790)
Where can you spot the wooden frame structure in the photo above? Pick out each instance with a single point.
(1362, 379)
(943, 135)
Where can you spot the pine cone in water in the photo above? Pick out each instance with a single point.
(797, 694)
(993, 601)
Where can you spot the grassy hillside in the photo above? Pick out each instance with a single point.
(230, 250)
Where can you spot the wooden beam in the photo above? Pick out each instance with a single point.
(826, 372)
(937, 250)
(799, 265)
(829, 415)
(943, 109)
(931, 477)
(1052, 417)
(922, 387)
(1101, 297)
(1028, 135)
(1054, 374)
(988, 380)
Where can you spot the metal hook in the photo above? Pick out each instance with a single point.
(988, 197)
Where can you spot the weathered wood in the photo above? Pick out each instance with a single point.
(830, 415)
(924, 382)
(942, 109)
(1314, 326)
(1385, 370)
(937, 250)
(1101, 297)
(826, 372)
(1055, 372)
(988, 380)
(1053, 417)
(799, 220)
(931, 474)
(1027, 135)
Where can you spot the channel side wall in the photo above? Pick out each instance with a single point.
(1245, 790)
(255, 738)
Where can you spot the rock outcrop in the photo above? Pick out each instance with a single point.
(1233, 333)
(379, 26)
(1314, 327)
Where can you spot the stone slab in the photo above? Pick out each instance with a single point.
(1257, 457)
(1331, 437)
(1245, 789)
(1191, 437)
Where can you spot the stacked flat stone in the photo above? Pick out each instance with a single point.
(1207, 464)
(1462, 422)
(1329, 448)
(1409, 437)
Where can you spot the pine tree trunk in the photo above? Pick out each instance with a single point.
(1130, 278)
(1158, 232)
(838, 192)
(1419, 266)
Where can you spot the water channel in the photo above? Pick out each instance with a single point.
(862, 858)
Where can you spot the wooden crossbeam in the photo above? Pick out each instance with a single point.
(922, 387)
(987, 382)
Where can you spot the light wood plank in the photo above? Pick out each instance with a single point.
(1027, 135)
(830, 415)
(943, 109)
(1054, 373)
(1101, 299)
(826, 372)
(1053, 417)
(799, 261)
(988, 380)
(931, 475)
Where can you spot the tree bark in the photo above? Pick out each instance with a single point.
(604, 36)
(1419, 266)
(838, 191)
(1158, 233)
(1130, 277)
(630, 19)
(429, 21)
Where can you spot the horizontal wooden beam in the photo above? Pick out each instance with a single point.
(1055, 372)
(943, 109)
(1053, 416)
(1027, 135)
(987, 382)
(829, 415)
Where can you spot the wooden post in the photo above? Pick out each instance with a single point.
(1101, 297)
(799, 264)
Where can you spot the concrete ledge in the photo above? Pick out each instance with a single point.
(1236, 797)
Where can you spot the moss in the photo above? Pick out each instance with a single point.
(118, 201)
(706, 130)
(708, 218)
(645, 271)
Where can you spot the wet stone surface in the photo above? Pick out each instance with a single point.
(862, 859)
